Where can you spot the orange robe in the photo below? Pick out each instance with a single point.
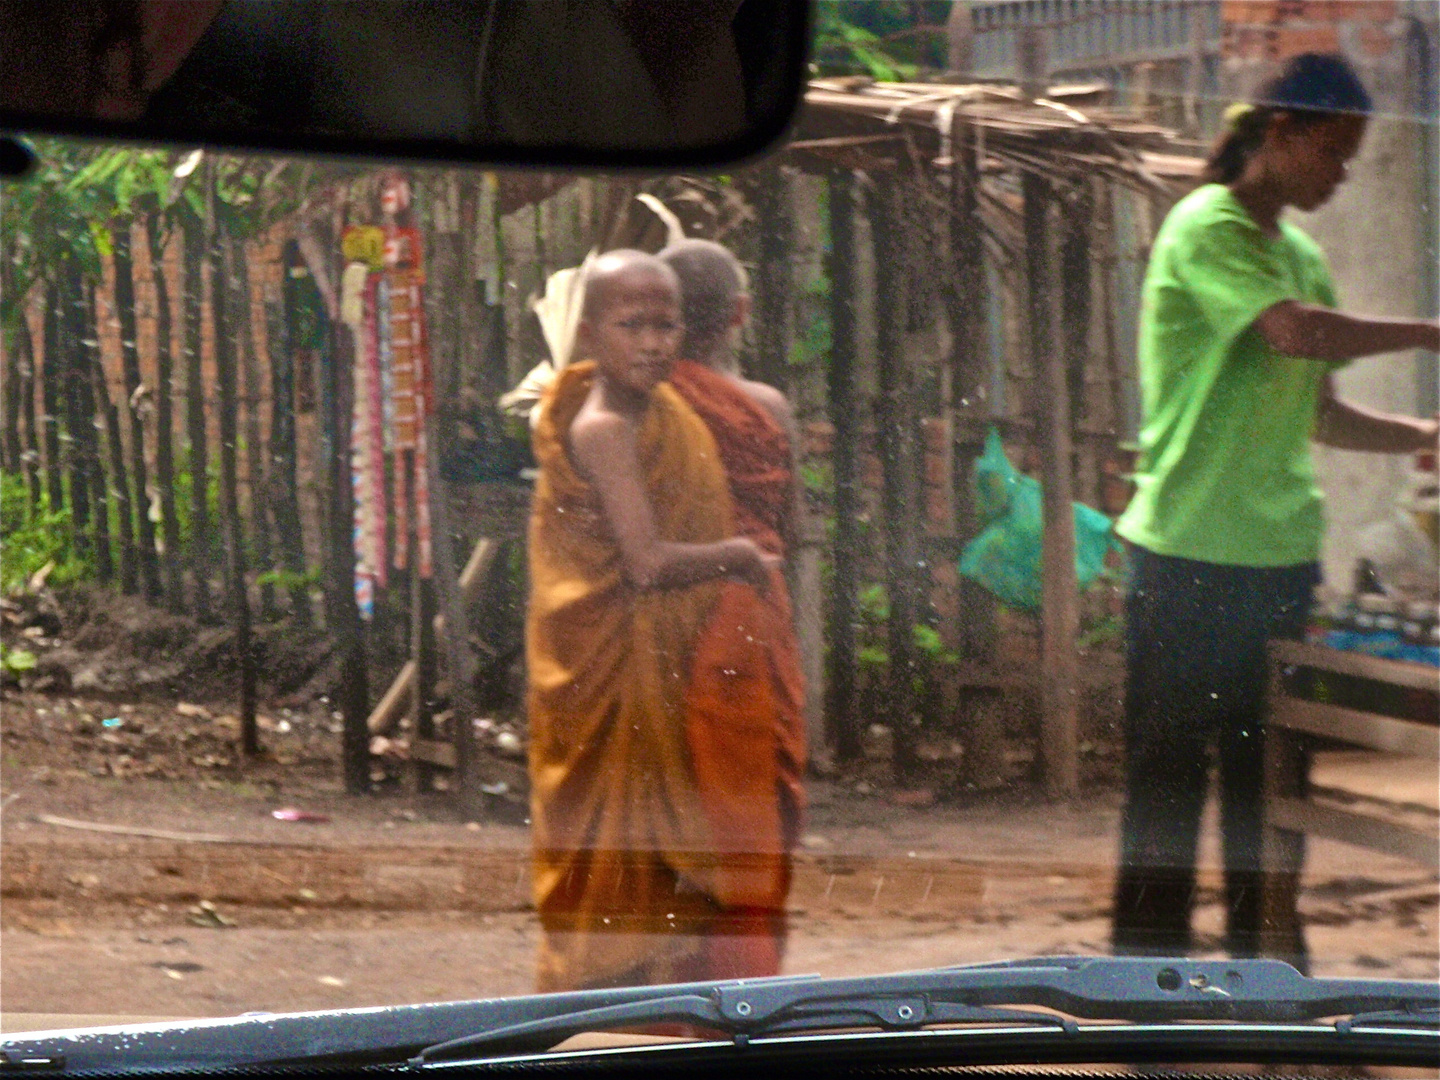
(745, 701)
(621, 863)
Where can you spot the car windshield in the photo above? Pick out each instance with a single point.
(998, 522)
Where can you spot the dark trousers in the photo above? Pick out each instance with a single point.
(1195, 653)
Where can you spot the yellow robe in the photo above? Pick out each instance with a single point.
(621, 860)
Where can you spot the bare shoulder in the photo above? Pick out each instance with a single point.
(597, 434)
(771, 400)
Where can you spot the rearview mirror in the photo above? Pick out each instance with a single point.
(634, 83)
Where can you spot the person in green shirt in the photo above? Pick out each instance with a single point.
(1239, 339)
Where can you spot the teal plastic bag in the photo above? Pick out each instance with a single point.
(1005, 557)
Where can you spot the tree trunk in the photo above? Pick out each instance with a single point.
(14, 453)
(86, 362)
(227, 324)
(164, 424)
(78, 421)
(130, 356)
(118, 486)
(289, 535)
(30, 446)
(841, 712)
(202, 543)
(50, 391)
(254, 443)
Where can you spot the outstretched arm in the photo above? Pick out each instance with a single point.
(1321, 333)
(604, 449)
(1346, 426)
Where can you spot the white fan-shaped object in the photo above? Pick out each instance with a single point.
(674, 231)
(559, 314)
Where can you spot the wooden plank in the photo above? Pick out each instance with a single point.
(1360, 830)
(1365, 729)
(1396, 672)
(397, 698)
(434, 752)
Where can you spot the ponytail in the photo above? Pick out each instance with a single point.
(1311, 88)
(1245, 127)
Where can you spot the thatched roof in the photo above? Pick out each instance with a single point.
(1068, 134)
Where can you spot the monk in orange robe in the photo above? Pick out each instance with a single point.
(631, 538)
(745, 699)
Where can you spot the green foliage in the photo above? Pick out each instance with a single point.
(289, 579)
(16, 661)
(31, 538)
(889, 40)
(818, 477)
(814, 342)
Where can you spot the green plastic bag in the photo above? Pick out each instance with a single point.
(1005, 557)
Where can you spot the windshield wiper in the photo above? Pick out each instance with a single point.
(1090, 988)
(996, 1008)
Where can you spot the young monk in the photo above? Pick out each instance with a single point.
(630, 536)
(745, 702)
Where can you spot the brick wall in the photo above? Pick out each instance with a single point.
(1274, 30)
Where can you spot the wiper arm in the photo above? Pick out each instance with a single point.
(1092, 988)
(991, 999)
(708, 1011)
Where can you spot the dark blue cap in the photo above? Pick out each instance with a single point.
(1319, 82)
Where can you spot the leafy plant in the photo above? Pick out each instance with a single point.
(289, 579)
(29, 541)
(16, 661)
(888, 40)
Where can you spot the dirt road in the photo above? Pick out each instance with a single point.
(393, 899)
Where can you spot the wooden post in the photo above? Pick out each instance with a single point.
(78, 422)
(841, 712)
(86, 363)
(196, 263)
(14, 455)
(1075, 251)
(130, 358)
(227, 325)
(30, 447)
(896, 437)
(342, 615)
(1060, 614)
(289, 533)
(164, 424)
(50, 399)
(459, 658)
(969, 364)
(249, 366)
(773, 278)
(119, 483)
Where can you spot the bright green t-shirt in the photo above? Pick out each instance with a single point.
(1225, 474)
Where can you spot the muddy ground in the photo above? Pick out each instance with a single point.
(159, 754)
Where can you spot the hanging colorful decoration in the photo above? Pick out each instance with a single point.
(393, 395)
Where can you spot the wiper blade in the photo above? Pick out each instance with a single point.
(1091, 988)
(989, 1000)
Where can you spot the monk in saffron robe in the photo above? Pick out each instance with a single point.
(745, 698)
(630, 539)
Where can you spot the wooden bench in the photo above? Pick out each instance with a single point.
(1299, 722)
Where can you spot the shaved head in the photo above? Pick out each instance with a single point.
(621, 274)
(711, 281)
